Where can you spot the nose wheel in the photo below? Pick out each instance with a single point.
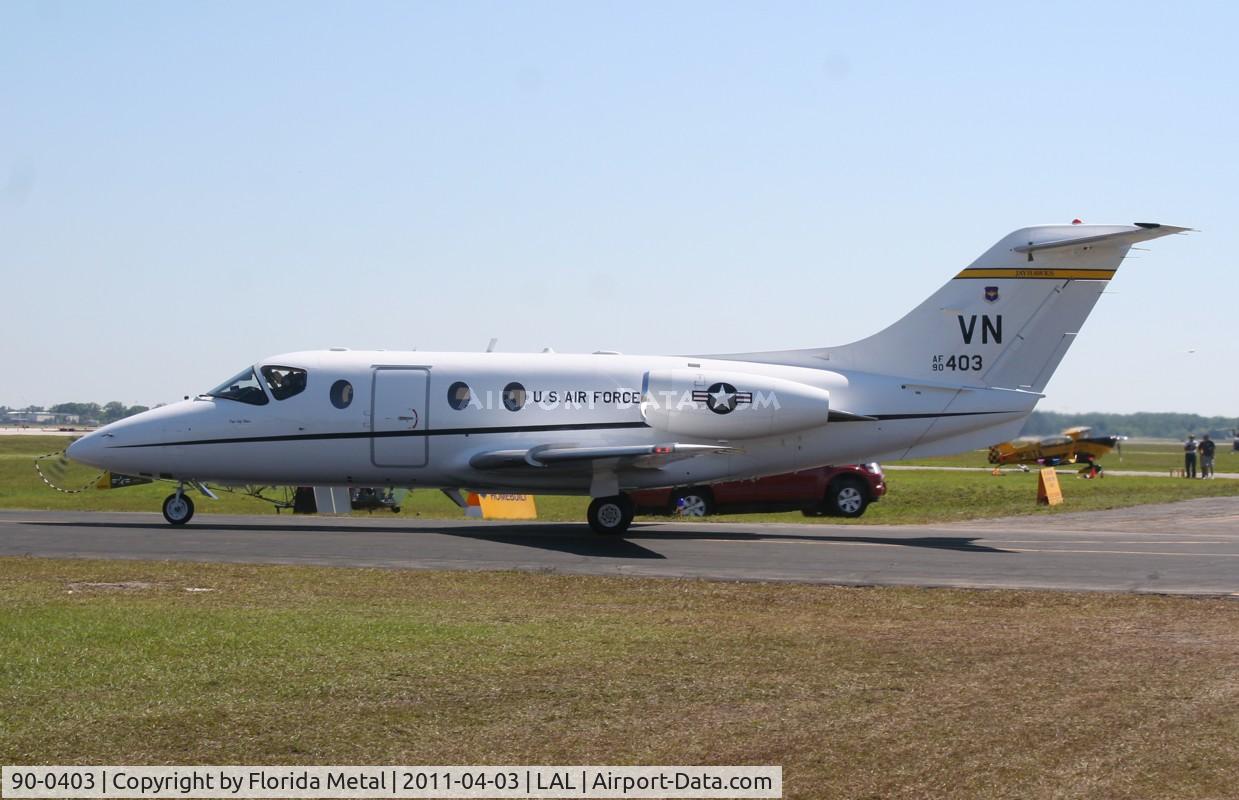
(178, 508)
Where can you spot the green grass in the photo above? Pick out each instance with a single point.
(913, 497)
(1141, 456)
(923, 497)
(21, 487)
(857, 692)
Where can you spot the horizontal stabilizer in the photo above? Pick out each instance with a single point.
(1143, 232)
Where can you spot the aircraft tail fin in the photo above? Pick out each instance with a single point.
(1005, 321)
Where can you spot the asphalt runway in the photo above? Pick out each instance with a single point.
(1182, 548)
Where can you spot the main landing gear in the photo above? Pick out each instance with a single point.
(610, 516)
(178, 508)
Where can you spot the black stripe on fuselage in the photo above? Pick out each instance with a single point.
(302, 437)
(584, 426)
(938, 416)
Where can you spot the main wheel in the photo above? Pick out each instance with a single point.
(692, 503)
(846, 497)
(178, 509)
(610, 516)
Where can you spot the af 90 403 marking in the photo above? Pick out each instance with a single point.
(963, 362)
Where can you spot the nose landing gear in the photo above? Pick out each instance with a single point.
(177, 507)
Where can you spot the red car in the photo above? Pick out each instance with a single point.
(826, 491)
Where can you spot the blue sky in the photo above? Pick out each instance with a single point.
(187, 188)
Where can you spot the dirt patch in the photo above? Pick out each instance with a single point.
(120, 586)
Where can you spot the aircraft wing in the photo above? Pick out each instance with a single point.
(650, 456)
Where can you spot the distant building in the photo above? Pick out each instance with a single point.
(40, 418)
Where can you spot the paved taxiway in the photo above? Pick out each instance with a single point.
(1190, 547)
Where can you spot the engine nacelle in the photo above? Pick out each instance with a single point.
(730, 405)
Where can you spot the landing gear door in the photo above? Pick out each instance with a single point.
(398, 415)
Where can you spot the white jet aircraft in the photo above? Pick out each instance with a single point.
(961, 371)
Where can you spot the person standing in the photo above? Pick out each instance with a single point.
(1206, 456)
(1189, 457)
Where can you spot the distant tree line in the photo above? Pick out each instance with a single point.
(1160, 425)
(108, 412)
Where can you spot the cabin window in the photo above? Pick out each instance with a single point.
(514, 396)
(284, 382)
(341, 394)
(458, 395)
(242, 387)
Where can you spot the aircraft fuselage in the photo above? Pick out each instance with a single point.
(401, 427)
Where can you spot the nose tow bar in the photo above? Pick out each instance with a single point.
(54, 468)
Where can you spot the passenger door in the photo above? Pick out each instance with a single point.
(398, 417)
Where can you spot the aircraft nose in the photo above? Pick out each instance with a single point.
(88, 450)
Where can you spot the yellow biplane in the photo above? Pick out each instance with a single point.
(1073, 446)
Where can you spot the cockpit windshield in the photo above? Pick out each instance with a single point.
(284, 382)
(242, 387)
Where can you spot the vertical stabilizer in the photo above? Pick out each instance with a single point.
(1005, 321)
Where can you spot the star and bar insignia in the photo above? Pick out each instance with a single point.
(722, 398)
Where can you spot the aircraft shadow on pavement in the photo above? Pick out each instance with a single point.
(577, 540)
(965, 544)
(572, 539)
(558, 536)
